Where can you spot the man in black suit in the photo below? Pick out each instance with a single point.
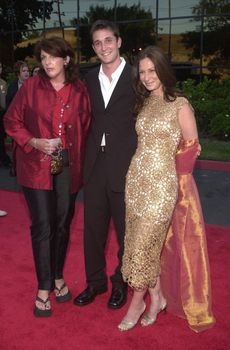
(21, 70)
(4, 158)
(111, 144)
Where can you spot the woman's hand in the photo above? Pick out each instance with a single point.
(47, 146)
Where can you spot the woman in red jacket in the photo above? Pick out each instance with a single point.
(49, 119)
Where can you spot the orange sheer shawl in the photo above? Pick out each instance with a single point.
(184, 266)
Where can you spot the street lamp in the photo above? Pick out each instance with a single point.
(170, 32)
(115, 11)
(11, 16)
(44, 18)
(157, 16)
(78, 32)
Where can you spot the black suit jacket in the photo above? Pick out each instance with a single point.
(117, 121)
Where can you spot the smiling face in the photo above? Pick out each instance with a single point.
(54, 66)
(106, 46)
(149, 77)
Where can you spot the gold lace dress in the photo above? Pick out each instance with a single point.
(151, 190)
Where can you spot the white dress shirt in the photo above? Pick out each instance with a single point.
(107, 86)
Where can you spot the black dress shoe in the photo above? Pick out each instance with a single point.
(118, 298)
(88, 296)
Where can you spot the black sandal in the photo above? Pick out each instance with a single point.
(62, 298)
(42, 312)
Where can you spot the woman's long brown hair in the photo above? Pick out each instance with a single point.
(164, 72)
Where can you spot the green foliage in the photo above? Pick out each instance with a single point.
(16, 18)
(211, 102)
(216, 32)
(22, 15)
(21, 52)
(10, 78)
(215, 149)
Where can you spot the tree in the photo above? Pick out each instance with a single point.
(216, 32)
(137, 33)
(16, 18)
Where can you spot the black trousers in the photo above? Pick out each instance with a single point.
(101, 204)
(51, 213)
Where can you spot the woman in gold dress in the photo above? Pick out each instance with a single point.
(164, 120)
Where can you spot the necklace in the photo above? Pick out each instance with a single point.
(64, 106)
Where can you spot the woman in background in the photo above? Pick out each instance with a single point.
(35, 71)
(49, 119)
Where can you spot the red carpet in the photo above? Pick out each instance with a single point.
(93, 327)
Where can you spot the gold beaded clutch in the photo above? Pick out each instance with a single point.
(56, 162)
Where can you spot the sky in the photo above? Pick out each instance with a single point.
(178, 8)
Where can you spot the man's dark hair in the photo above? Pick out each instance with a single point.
(104, 24)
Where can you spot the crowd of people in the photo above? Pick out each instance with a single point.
(7, 93)
(130, 139)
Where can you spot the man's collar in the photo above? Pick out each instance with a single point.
(118, 69)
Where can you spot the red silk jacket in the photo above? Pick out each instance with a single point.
(29, 115)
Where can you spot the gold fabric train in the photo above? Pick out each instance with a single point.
(185, 274)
